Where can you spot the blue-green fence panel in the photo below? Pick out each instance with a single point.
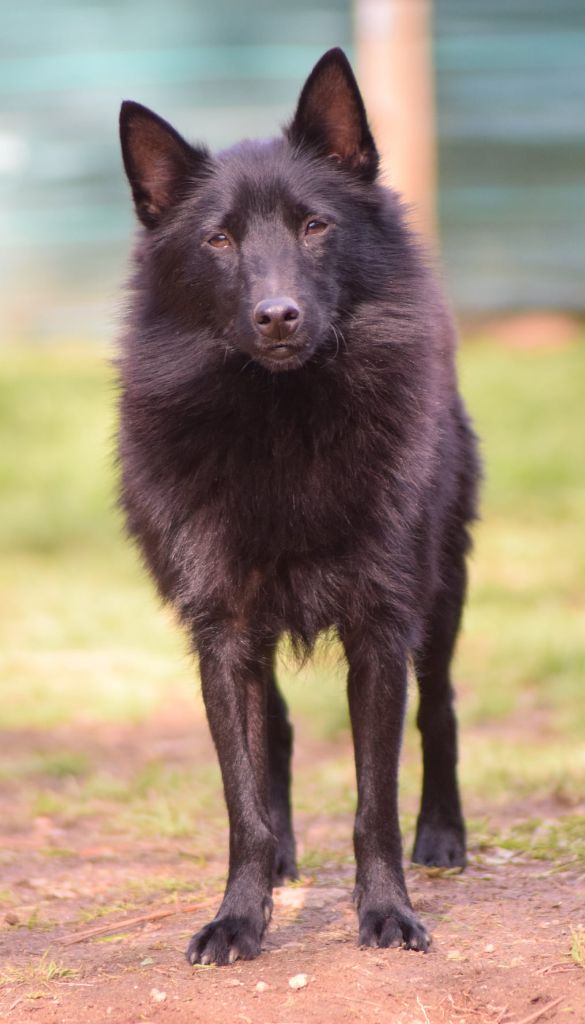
(511, 123)
(218, 70)
(511, 134)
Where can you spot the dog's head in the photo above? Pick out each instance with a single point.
(264, 244)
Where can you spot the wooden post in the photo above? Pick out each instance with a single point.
(395, 70)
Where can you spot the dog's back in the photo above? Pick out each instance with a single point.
(295, 457)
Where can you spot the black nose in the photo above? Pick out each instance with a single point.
(277, 318)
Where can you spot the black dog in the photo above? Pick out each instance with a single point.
(295, 458)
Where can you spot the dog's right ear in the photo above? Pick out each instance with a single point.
(159, 163)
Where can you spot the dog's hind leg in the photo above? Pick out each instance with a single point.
(440, 830)
(235, 691)
(280, 745)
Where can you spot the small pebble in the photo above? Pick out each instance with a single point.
(292, 899)
(261, 986)
(159, 997)
(298, 981)
(12, 918)
(489, 948)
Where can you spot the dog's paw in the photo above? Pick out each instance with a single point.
(225, 940)
(439, 846)
(393, 926)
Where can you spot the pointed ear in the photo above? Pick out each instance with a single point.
(331, 117)
(159, 163)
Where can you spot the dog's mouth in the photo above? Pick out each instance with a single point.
(285, 356)
(282, 352)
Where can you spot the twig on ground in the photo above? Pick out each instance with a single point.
(357, 999)
(556, 969)
(423, 1008)
(114, 926)
(463, 1009)
(538, 1013)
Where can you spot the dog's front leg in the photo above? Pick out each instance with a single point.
(234, 691)
(377, 700)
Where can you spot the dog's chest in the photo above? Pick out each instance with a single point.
(285, 494)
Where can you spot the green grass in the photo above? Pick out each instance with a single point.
(525, 619)
(577, 951)
(83, 638)
(43, 972)
(561, 839)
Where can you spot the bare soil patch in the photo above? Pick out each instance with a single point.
(501, 931)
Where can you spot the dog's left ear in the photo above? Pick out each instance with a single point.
(331, 118)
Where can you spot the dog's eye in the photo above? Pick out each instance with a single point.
(219, 241)
(316, 227)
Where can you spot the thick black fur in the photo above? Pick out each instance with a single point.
(296, 470)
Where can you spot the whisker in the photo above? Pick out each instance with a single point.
(336, 336)
(339, 340)
(342, 336)
(247, 363)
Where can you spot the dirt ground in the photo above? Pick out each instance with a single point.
(72, 950)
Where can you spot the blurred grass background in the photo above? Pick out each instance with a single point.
(84, 640)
